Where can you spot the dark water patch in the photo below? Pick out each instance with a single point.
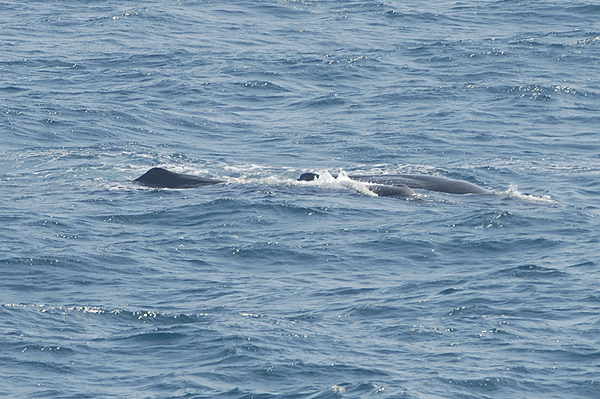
(532, 272)
(369, 311)
(347, 291)
(570, 355)
(586, 264)
(12, 90)
(45, 366)
(475, 308)
(450, 291)
(44, 265)
(494, 246)
(155, 338)
(144, 218)
(320, 103)
(265, 86)
(176, 386)
(272, 252)
(302, 317)
(238, 393)
(485, 384)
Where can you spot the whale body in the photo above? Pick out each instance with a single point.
(424, 182)
(391, 191)
(408, 182)
(162, 178)
(382, 185)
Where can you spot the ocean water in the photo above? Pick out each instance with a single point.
(266, 287)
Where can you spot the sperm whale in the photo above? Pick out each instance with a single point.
(382, 185)
(408, 182)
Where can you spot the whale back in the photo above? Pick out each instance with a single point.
(424, 182)
(162, 178)
(391, 191)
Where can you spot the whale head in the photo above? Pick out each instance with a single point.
(308, 176)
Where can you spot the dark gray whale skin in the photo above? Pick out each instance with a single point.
(408, 182)
(391, 191)
(423, 182)
(162, 178)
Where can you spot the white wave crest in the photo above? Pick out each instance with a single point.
(513, 192)
(327, 181)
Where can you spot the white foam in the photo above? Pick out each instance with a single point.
(513, 192)
(338, 389)
(327, 181)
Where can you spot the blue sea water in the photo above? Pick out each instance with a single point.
(266, 287)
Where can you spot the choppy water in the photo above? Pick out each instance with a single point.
(266, 287)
